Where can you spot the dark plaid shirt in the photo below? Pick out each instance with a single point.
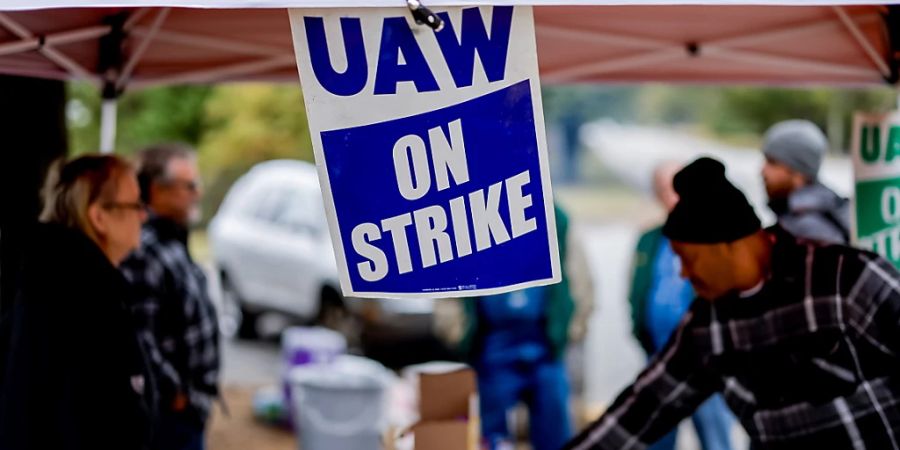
(809, 361)
(176, 319)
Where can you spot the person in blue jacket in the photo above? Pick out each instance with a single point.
(659, 299)
(516, 342)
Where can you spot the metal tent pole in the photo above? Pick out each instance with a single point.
(108, 115)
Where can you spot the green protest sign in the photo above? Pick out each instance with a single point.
(876, 165)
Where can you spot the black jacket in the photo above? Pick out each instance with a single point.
(72, 375)
(815, 212)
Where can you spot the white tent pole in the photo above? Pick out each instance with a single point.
(792, 33)
(134, 18)
(209, 75)
(65, 37)
(213, 43)
(862, 41)
(14, 26)
(591, 36)
(126, 72)
(762, 59)
(617, 64)
(52, 54)
(108, 114)
(722, 48)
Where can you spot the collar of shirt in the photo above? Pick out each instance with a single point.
(752, 291)
(167, 229)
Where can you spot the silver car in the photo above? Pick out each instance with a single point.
(272, 252)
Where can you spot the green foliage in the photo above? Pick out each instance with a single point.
(738, 114)
(753, 110)
(235, 126)
(144, 117)
(588, 102)
(248, 124)
(162, 114)
(83, 117)
(663, 104)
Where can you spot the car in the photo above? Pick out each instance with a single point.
(272, 253)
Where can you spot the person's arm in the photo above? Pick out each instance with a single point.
(148, 277)
(199, 334)
(668, 390)
(641, 273)
(581, 284)
(874, 291)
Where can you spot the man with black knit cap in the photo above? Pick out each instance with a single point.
(794, 150)
(801, 338)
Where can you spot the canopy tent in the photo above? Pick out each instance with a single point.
(121, 44)
(723, 43)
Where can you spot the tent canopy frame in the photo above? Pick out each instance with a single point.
(145, 26)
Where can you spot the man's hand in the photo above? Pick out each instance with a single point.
(179, 403)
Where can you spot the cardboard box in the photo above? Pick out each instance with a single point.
(448, 408)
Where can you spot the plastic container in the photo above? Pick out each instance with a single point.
(304, 346)
(339, 405)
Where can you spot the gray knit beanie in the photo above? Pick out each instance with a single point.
(798, 144)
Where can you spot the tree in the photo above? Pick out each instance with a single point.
(248, 124)
(144, 117)
(753, 110)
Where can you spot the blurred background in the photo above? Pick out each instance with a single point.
(604, 143)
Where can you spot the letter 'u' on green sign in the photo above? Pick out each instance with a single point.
(870, 143)
(876, 167)
(871, 150)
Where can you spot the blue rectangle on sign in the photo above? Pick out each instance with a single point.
(469, 212)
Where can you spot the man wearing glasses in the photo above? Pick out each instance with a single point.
(175, 318)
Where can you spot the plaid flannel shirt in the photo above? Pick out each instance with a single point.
(175, 318)
(809, 361)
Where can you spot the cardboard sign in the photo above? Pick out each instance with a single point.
(876, 165)
(430, 148)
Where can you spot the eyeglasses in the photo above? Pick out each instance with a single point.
(132, 206)
(190, 185)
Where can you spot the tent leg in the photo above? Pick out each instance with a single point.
(108, 125)
(33, 126)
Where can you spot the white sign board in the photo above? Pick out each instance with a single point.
(876, 167)
(431, 150)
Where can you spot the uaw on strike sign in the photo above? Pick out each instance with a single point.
(876, 166)
(431, 149)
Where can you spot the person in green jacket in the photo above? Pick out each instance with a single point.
(516, 342)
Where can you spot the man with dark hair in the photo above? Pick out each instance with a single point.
(164, 170)
(176, 319)
(800, 337)
(805, 207)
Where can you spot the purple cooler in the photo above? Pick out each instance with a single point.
(307, 347)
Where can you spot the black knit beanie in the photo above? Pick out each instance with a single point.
(710, 209)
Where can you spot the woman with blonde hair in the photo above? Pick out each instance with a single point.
(72, 374)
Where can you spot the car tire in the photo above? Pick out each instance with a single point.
(235, 320)
(334, 314)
